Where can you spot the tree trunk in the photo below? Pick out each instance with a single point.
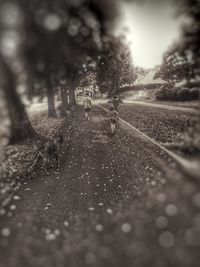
(51, 101)
(64, 100)
(72, 98)
(21, 128)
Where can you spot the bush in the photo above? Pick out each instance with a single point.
(161, 95)
(194, 94)
(165, 92)
(189, 141)
(170, 93)
(183, 94)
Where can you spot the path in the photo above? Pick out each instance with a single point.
(117, 201)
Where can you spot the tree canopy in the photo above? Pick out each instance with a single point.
(115, 66)
(182, 59)
(45, 42)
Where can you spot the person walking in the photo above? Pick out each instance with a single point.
(87, 102)
(116, 101)
(113, 117)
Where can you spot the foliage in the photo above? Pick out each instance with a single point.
(45, 42)
(166, 92)
(171, 93)
(191, 33)
(114, 66)
(56, 37)
(176, 65)
(189, 141)
(182, 60)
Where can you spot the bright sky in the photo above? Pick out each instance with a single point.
(152, 29)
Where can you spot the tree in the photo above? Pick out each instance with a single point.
(108, 67)
(182, 60)
(64, 37)
(191, 33)
(64, 96)
(129, 74)
(12, 66)
(114, 66)
(21, 128)
(176, 65)
(50, 98)
(49, 38)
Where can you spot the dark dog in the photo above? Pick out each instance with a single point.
(49, 152)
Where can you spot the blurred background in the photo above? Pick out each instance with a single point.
(146, 53)
(147, 49)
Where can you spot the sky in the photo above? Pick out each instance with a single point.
(150, 30)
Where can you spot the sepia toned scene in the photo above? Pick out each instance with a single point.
(99, 133)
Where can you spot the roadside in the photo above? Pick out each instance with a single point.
(190, 106)
(186, 104)
(189, 167)
(163, 125)
(17, 159)
(117, 201)
(177, 130)
(148, 97)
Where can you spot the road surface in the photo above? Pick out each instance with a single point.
(116, 201)
(167, 106)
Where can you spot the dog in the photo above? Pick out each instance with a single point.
(48, 152)
(51, 151)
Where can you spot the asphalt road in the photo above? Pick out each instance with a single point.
(116, 201)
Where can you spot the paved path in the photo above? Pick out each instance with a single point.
(116, 201)
(164, 106)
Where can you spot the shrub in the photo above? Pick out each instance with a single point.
(160, 94)
(164, 92)
(183, 94)
(194, 94)
(189, 141)
(172, 94)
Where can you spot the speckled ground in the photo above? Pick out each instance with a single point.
(116, 201)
